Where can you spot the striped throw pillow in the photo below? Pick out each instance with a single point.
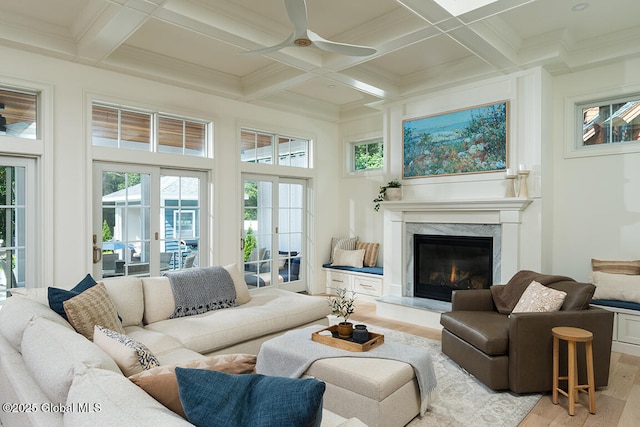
(348, 244)
(616, 267)
(370, 253)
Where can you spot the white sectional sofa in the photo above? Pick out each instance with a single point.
(52, 376)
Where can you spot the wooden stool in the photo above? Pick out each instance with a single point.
(572, 336)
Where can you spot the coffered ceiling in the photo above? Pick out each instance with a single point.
(421, 46)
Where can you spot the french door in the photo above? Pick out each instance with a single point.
(274, 233)
(146, 220)
(18, 227)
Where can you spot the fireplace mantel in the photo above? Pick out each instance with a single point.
(474, 205)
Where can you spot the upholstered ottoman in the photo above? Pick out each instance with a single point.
(379, 392)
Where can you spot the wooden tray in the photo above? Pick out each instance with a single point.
(375, 340)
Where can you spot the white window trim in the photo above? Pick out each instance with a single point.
(41, 149)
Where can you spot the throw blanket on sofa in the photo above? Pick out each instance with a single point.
(505, 297)
(198, 290)
(291, 354)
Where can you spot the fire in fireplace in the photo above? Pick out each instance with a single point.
(445, 263)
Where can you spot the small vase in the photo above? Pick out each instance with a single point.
(360, 334)
(345, 329)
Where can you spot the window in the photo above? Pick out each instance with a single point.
(134, 129)
(261, 147)
(604, 127)
(18, 114)
(368, 155)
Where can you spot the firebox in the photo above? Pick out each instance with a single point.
(446, 263)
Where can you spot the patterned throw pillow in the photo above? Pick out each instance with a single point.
(161, 384)
(256, 400)
(539, 298)
(58, 296)
(92, 307)
(130, 355)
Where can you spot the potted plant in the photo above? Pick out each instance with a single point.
(391, 191)
(343, 306)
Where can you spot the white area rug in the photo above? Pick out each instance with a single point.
(460, 399)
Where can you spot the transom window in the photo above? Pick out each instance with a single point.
(274, 149)
(134, 129)
(611, 122)
(365, 155)
(18, 114)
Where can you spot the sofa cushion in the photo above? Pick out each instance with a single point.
(616, 267)
(538, 298)
(578, 294)
(488, 331)
(242, 291)
(92, 307)
(16, 314)
(159, 303)
(162, 385)
(53, 353)
(126, 294)
(257, 400)
(270, 310)
(157, 342)
(110, 399)
(58, 296)
(36, 294)
(130, 355)
(620, 287)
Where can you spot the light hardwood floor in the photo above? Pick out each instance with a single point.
(616, 405)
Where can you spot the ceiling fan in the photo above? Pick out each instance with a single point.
(303, 37)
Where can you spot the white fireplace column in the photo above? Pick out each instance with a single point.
(505, 212)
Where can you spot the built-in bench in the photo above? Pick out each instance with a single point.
(365, 280)
(626, 324)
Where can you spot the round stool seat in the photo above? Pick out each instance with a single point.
(572, 336)
(568, 333)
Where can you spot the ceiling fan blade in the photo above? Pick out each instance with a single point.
(287, 43)
(339, 48)
(297, 12)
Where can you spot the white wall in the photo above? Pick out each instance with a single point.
(70, 247)
(596, 200)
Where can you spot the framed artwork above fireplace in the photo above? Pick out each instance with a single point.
(471, 140)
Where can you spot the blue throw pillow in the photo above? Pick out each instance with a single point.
(58, 296)
(212, 398)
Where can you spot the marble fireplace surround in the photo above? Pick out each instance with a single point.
(500, 218)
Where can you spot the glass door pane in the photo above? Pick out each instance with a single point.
(12, 228)
(179, 221)
(258, 232)
(126, 217)
(290, 230)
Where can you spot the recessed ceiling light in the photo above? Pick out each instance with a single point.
(331, 86)
(579, 7)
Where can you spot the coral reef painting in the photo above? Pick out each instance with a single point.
(472, 140)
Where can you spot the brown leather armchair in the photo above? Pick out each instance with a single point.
(514, 351)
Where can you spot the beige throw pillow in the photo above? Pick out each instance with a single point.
(130, 355)
(538, 298)
(92, 307)
(343, 258)
(348, 244)
(618, 287)
(242, 291)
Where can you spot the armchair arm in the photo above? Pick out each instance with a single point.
(531, 347)
(472, 300)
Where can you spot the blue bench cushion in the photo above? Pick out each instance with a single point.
(369, 270)
(617, 304)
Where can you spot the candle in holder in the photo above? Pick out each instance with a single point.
(510, 172)
(524, 191)
(522, 167)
